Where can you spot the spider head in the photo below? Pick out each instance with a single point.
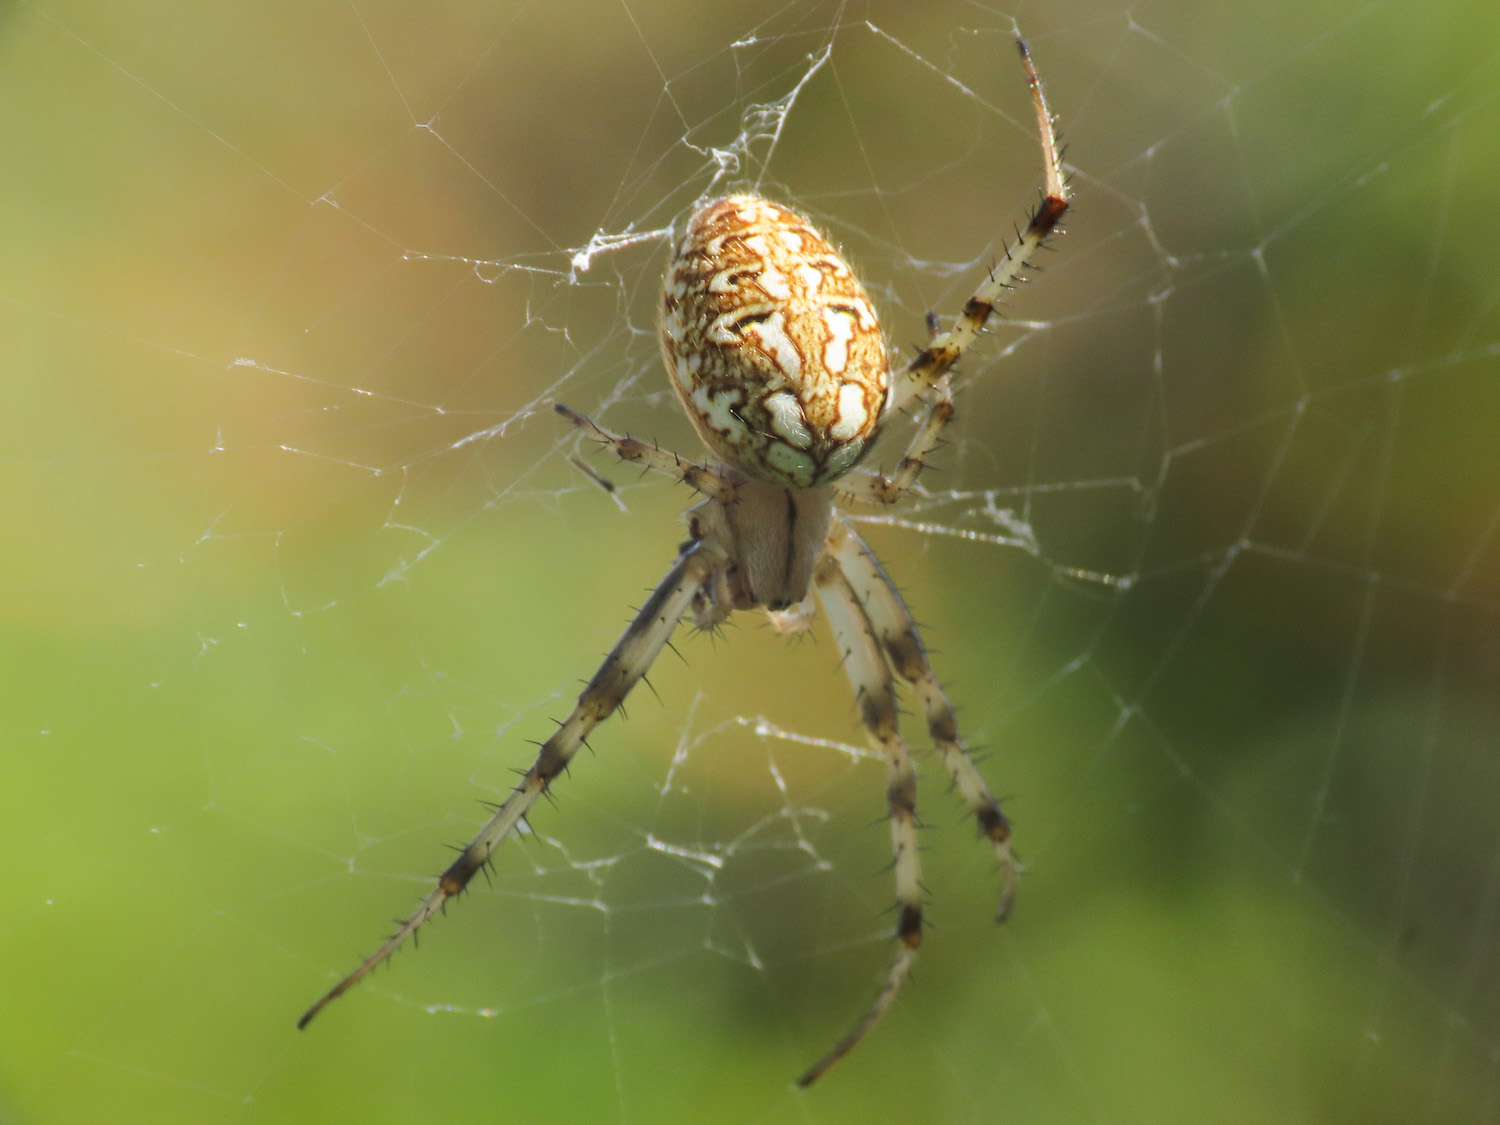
(772, 345)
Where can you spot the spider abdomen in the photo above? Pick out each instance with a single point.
(772, 345)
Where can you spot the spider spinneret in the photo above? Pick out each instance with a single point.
(781, 365)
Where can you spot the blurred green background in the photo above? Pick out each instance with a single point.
(294, 564)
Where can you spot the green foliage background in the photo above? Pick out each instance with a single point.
(267, 633)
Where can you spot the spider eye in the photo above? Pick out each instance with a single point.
(772, 345)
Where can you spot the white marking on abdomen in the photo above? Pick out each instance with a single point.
(787, 419)
(840, 332)
(854, 419)
(772, 333)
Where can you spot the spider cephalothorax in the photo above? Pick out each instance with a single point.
(781, 364)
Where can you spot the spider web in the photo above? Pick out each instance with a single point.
(296, 564)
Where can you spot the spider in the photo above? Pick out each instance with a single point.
(782, 367)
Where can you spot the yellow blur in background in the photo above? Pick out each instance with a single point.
(293, 565)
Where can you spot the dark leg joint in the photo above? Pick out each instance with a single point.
(549, 763)
(978, 310)
(460, 871)
(1048, 215)
(909, 926)
(901, 795)
(993, 824)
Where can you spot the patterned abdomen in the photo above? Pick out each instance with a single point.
(772, 344)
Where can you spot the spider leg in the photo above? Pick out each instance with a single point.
(902, 644)
(874, 687)
(925, 378)
(700, 477)
(935, 360)
(625, 665)
(874, 488)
